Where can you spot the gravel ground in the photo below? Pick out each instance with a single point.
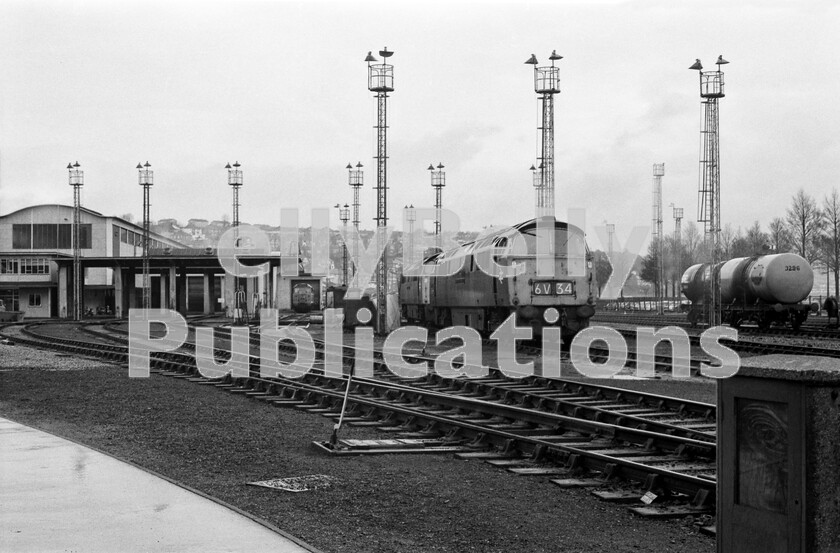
(216, 442)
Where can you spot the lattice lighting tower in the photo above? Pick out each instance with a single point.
(536, 177)
(658, 237)
(357, 180)
(344, 216)
(547, 84)
(77, 180)
(146, 180)
(235, 182)
(610, 234)
(711, 89)
(678, 216)
(438, 182)
(381, 81)
(410, 216)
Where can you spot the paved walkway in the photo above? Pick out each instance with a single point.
(56, 495)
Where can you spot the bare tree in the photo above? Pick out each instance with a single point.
(805, 221)
(728, 235)
(756, 240)
(691, 243)
(779, 236)
(831, 213)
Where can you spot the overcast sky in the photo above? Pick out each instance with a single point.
(282, 88)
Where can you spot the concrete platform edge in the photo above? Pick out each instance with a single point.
(190, 489)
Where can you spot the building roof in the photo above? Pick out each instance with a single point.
(129, 224)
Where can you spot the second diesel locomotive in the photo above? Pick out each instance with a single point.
(471, 295)
(765, 289)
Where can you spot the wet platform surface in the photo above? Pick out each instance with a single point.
(60, 496)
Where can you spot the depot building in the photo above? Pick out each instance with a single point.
(36, 269)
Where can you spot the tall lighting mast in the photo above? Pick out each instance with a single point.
(381, 81)
(344, 216)
(77, 180)
(438, 182)
(547, 84)
(357, 180)
(711, 89)
(146, 180)
(678, 216)
(410, 216)
(235, 181)
(658, 237)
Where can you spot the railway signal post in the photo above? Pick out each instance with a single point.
(77, 180)
(381, 81)
(711, 89)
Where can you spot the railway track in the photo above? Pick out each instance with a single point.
(823, 347)
(537, 425)
(809, 329)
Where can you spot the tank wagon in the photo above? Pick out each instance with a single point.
(765, 289)
(473, 297)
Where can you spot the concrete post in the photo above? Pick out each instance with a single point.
(131, 288)
(119, 300)
(63, 301)
(182, 290)
(779, 456)
(173, 288)
(208, 294)
(228, 293)
(163, 291)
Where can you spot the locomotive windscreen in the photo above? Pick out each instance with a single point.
(563, 243)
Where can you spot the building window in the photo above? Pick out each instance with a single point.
(123, 235)
(10, 299)
(49, 236)
(85, 233)
(22, 237)
(65, 237)
(8, 266)
(34, 300)
(44, 237)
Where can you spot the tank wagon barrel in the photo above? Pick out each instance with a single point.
(765, 289)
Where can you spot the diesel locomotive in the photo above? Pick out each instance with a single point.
(460, 287)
